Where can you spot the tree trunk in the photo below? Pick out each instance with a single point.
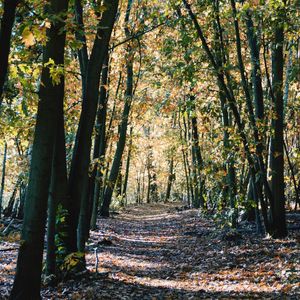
(115, 168)
(3, 177)
(29, 264)
(7, 22)
(197, 157)
(258, 96)
(185, 162)
(22, 195)
(78, 179)
(171, 177)
(100, 145)
(57, 195)
(230, 190)
(278, 222)
(7, 212)
(127, 167)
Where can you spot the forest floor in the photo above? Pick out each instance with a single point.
(160, 252)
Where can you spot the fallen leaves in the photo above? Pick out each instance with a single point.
(158, 252)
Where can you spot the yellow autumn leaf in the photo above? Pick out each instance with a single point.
(28, 37)
(277, 154)
(13, 71)
(36, 73)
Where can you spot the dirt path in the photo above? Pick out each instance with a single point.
(160, 253)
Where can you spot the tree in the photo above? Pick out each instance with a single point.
(104, 211)
(51, 94)
(78, 178)
(277, 144)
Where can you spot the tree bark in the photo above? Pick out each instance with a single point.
(278, 221)
(3, 177)
(197, 157)
(124, 196)
(7, 22)
(57, 195)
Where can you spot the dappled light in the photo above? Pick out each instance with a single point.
(149, 150)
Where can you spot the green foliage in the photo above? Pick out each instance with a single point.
(56, 71)
(73, 263)
(61, 234)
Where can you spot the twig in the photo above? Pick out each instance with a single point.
(9, 249)
(97, 260)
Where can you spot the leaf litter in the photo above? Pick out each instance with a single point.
(158, 251)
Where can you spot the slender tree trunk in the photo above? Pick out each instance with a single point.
(7, 212)
(197, 157)
(3, 177)
(185, 162)
(78, 179)
(256, 70)
(230, 190)
(7, 22)
(123, 127)
(22, 195)
(138, 189)
(117, 160)
(119, 183)
(100, 145)
(29, 265)
(83, 51)
(187, 138)
(292, 174)
(148, 186)
(171, 176)
(127, 166)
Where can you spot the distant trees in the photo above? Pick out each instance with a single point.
(274, 195)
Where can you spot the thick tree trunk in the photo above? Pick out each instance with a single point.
(29, 265)
(7, 22)
(57, 195)
(78, 179)
(278, 222)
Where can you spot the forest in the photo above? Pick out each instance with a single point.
(149, 149)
